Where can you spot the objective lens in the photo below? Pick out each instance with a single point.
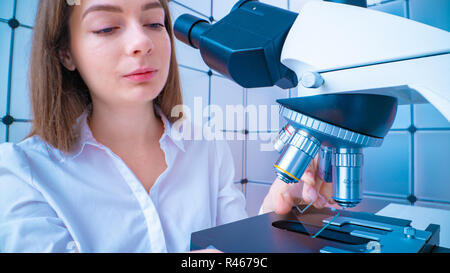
(283, 137)
(294, 160)
(347, 176)
(325, 169)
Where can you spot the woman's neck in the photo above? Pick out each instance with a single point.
(126, 127)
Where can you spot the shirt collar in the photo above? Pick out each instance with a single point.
(172, 133)
(86, 136)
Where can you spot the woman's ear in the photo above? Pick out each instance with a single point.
(66, 59)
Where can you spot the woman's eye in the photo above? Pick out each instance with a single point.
(156, 25)
(110, 30)
(105, 30)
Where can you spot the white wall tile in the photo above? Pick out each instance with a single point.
(2, 133)
(387, 168)
(403, 117)
(221, 8)
(186, 55)
(237, 150)
(427, 116)
(26, 11)
(5, 38)
(6, 9)
(255, 195)
(431, 12)
(238, 185)
(202, 6)
(225, 92)
(195, 85)
(267, 97)
(260, 157)
(431, 165)
(18, 131)
(20, 102)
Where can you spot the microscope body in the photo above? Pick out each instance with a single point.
(352, 65)
(340, 150)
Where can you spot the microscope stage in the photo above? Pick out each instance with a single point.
(354, 232)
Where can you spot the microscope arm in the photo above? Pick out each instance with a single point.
(360, 50)
(411, 81)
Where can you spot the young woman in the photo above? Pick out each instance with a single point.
(101, 170)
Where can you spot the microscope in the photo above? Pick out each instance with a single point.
(353, 67)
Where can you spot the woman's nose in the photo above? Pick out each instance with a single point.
(137, 42)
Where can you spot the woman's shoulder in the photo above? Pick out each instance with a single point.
(9, 151)
(19, 161)
(12, 153)
(13, 162)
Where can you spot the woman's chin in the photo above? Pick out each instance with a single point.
(140, 95)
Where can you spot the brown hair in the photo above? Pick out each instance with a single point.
(59, 96)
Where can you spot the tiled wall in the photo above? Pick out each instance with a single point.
(412, 166)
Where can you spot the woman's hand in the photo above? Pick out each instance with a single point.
(282, 196)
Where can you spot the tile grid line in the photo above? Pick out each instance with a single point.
(191, 9)
(211, 11)
(6, 22)
(412, 159)
(209, 97)
(245, 151)
(26, 26)
(10, 64)
(201, 71)
(412, 198)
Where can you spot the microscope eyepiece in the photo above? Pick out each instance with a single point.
(245, 45)
(189, 28)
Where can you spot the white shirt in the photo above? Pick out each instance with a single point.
(90, 201)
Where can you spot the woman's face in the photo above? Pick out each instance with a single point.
(121, 49)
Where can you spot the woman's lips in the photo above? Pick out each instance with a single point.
(141, 76)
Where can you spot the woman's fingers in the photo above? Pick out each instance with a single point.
(313, 184)
(326, 190)
(311, 195)
(290, 196)
(283, 203)
(271, 201)
(311, 188)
